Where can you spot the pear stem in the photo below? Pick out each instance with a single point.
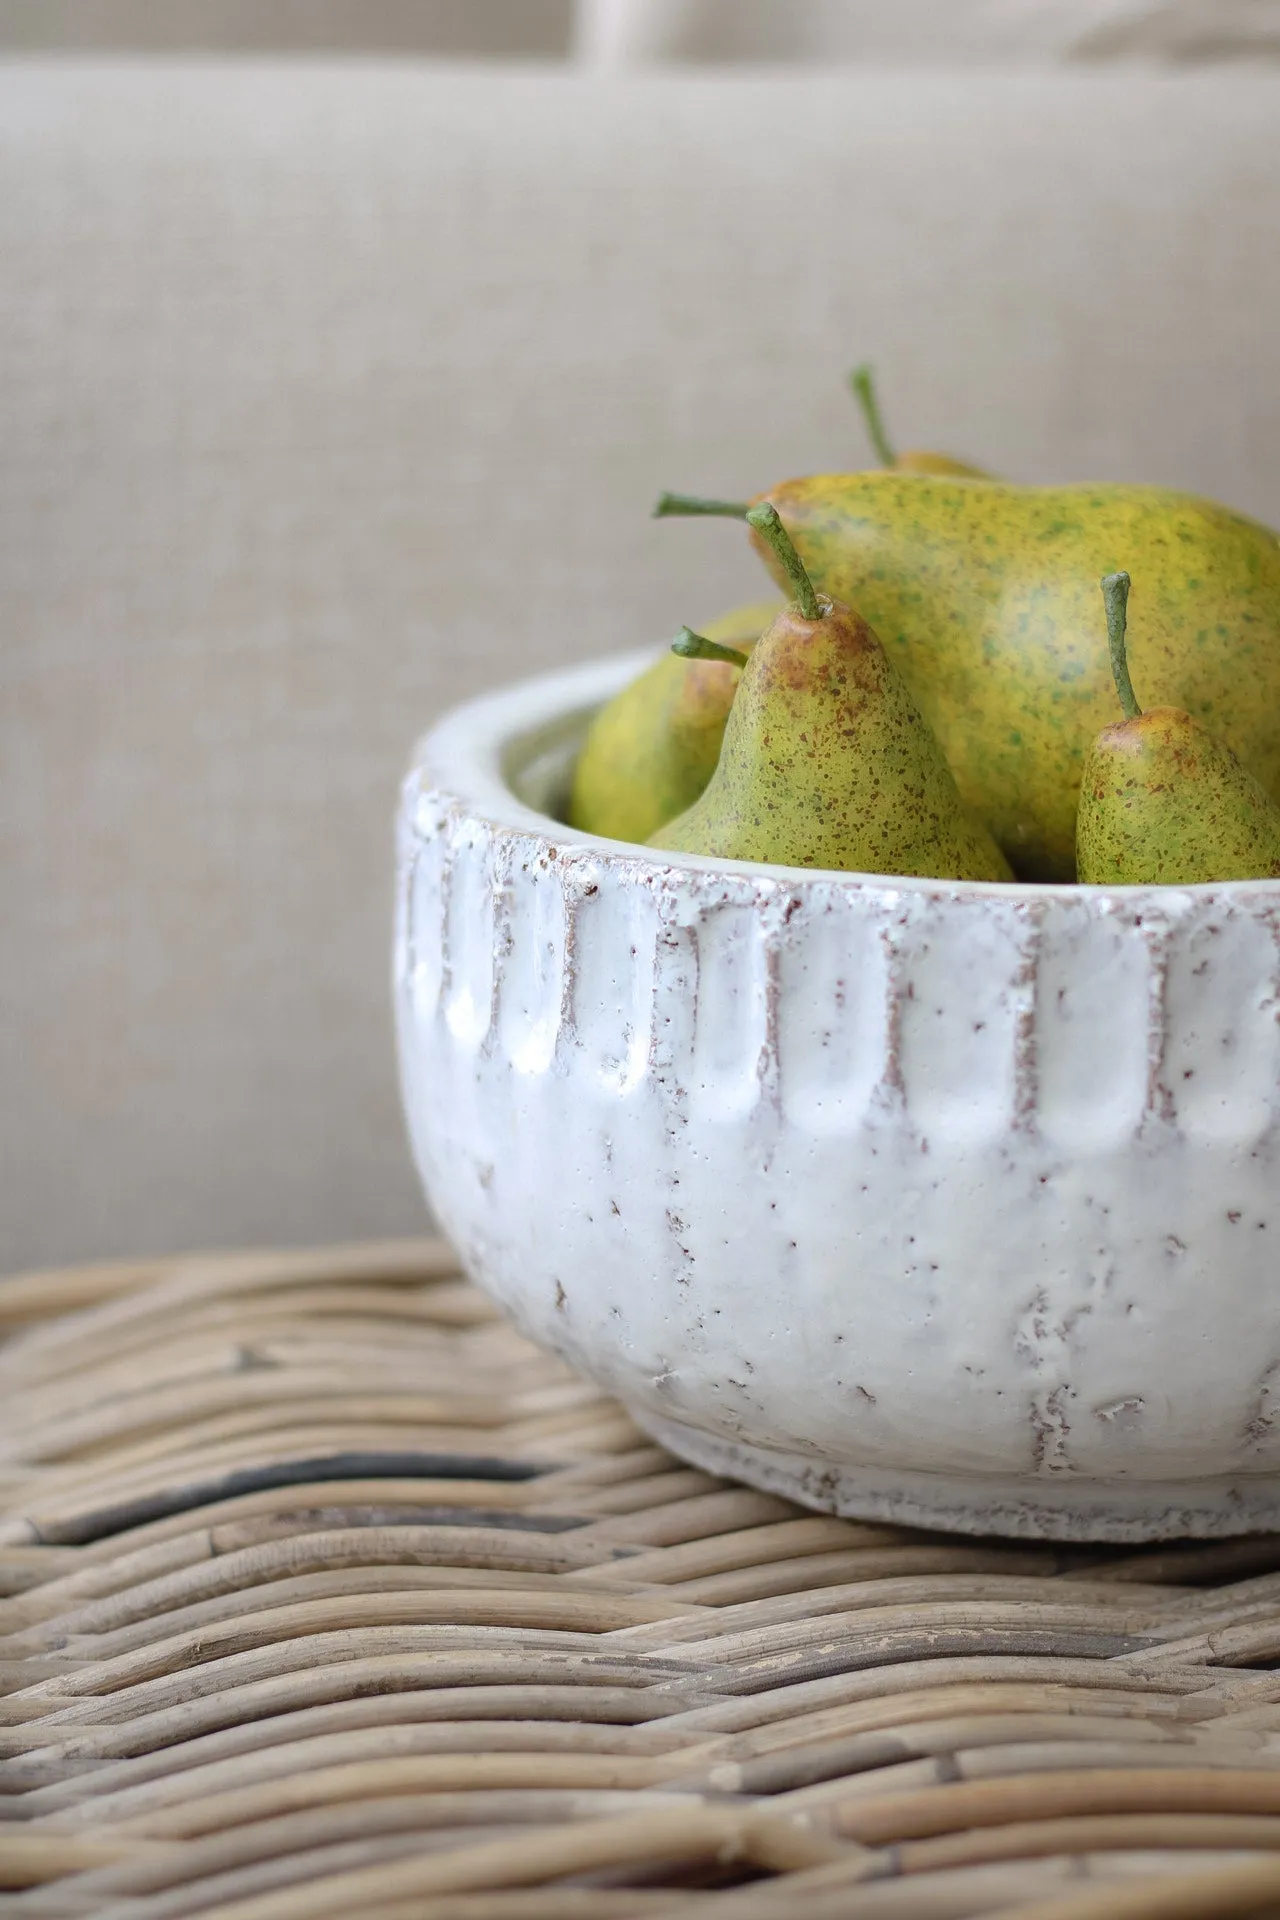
(695, 646)
(863, 382)
(1115, 594)
(669, 504)
(764, 518)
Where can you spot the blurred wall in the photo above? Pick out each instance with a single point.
(626, 32)
(331, 392)
(512, 28)
(925, 32)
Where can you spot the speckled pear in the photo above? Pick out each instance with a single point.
(651, 750)
(1162, 801)
(985, 596)
(827, 762)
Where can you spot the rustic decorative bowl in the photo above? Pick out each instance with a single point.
(944, 1203)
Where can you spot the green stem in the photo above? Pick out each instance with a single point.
(690, 503)
(862, 380)
(764, 518)
(1115, 594)
(695, 646)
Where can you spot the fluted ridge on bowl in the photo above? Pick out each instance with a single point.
(833, 1001)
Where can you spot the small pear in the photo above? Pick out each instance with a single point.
(915, 459)
(651, 750)
(1163, 802)
(826, 760)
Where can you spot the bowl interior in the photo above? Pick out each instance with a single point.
(537, 765)
(510, 756)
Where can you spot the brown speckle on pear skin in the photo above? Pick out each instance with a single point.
(651, 750)
(827, 762)
(1163, 802)
(985, 596)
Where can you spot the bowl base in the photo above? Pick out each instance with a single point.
(1019, 1508)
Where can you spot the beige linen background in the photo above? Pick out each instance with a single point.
(328, 395)
(507, 28)
(626, 32)
(944, 32)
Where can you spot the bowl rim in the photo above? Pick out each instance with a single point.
(465, 753)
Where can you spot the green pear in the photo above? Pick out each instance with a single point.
(915, 459)
(984, 595)
(651, 750)
(1162, 801)
(826, 760)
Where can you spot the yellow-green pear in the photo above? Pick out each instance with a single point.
(985, 597)
(826, 760)
(1162, 800)
(915, 459)
(651, 750)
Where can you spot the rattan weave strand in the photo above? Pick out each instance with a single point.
(322, 1593)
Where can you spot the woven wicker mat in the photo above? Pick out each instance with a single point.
(326, 1594)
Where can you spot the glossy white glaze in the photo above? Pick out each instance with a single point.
(949, 1202)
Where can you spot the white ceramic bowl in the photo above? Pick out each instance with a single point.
(946, 1203)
